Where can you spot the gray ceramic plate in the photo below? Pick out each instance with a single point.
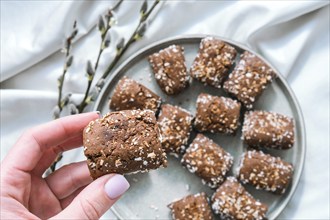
(150, 193)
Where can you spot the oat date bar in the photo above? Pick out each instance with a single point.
(213, 61)
(207, 160)
(175, 127)
(123, 142)
(192, 207)
(249, 79)
(232, 201)
(268, 129)
(130, 95)
(265, 171)
(170, 70)
(217, 114)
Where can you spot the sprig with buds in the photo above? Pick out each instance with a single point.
(104, 25)
(136, 35)
(62, 102)
(68, 62)
(120, 50)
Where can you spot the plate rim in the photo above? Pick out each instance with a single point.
(192, 37)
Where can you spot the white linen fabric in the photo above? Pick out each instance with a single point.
(292, 35)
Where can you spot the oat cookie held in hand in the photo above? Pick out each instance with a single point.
(123, 142)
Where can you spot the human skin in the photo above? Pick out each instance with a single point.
(69, 192)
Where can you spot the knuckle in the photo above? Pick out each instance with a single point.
(89, 209)
(29, 135)
(58, 149)
(68, 170)
(75, 181)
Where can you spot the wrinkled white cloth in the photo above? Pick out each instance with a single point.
(292, 35)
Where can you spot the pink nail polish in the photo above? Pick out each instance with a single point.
(116, 186)
(99, 114)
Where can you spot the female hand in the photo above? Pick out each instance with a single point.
(68, 192)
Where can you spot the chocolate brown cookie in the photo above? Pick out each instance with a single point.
(217, 114)
(213, 61)
(175, 127)
(130, 95)
(268, 129)
(249, 79)
(170, 69)
(208, 160)
(232, 201)
(192, 207)
(123, 142)
(265, 171)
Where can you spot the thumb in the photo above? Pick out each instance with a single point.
(96, 198)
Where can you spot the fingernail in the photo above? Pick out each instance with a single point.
(99, 114)
(116, 186)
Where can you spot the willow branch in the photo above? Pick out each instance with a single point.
(135, 36)
(104, 29)
(68, 61)
(121, 49)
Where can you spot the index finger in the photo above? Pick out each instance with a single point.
(28, 150)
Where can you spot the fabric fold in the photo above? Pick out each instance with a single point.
(292, 35)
